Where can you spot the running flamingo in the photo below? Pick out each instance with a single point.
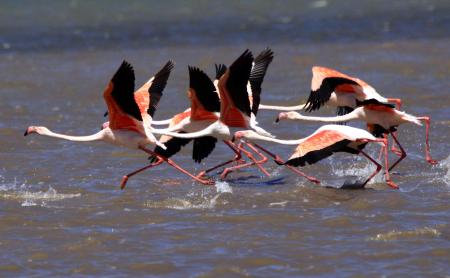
(382, 119)
(337, 89)
(205, 103)
(325, 141)
(130, 116)
(235, 110)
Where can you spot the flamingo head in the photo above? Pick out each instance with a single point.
(36, 129)
(105, 125)
(238, 135)
(286, 115)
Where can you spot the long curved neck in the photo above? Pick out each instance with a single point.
(344, 118)
(282, 108)
(161, 122)
(94, 137)
(211, 130)
(255, 136)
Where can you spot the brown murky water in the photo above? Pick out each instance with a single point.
(62, 212)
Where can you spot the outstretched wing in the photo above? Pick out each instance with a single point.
(324, 82)
(122, 109)
(158, 85)
(173, 146)
(260, 65)
(148, 96)
(203, 146)
(233, 91)
(220, 70)
(319, 146)
(204, 90)
(119, 93)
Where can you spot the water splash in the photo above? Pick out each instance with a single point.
(446, 164)
(356, 170)
(183, 204)
(396, 235)
(280, 204)
(21, 192)
(223, 187)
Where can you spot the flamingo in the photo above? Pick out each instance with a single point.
(382, 119)
(207, 104)
(325, 141)
(130, 116)
(331, 87)
(235, 110)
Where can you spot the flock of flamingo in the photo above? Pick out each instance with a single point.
(225, 109)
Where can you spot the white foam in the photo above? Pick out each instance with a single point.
(22, 193)
(223, 187)
(446, 164)
(356, 170)
(281, 204)
(183, 204)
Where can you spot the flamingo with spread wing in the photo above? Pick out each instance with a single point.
(130, 114)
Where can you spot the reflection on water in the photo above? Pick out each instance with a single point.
(62, 212)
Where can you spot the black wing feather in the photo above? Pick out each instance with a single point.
(374, 101)
(261, 63)
(314, 156)
(158, 85)
(173, 145)
(343, 110)
(220, 70)
(123, 90)
(320, 96)
(239, 74)
(204, 89)
(203, 146)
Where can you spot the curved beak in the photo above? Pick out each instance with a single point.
(277, 119)
(233, 139)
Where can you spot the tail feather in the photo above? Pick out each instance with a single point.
(411, 119)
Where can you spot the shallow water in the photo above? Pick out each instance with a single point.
(62, 212)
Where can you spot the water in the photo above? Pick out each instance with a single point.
(62, 212)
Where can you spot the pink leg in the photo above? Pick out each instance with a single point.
(396, 151)
(376, 171)
(398, 103)
(173, 164)
(228, 170)
(236, 158)
(386, 161)
(402, 152)
(386, 164)
(292, 168)
(263, 157)
(126, 177)
(427, 142)
(238, 147)
(250, 156)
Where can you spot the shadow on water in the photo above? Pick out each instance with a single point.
(253, 180)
